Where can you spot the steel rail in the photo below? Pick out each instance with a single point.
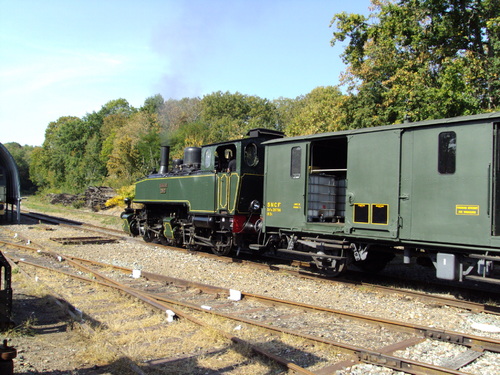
(370, 356)
(108, 282)
(363, 354)
(72, 223)
(71, 310)
(472, 306)
(472, 341)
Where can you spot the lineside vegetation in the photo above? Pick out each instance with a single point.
(418, 59)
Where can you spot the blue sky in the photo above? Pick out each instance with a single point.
(68, 58)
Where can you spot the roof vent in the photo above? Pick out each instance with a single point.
(265, 133)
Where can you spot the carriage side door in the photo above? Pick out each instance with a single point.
(285, 185)
(446, 184)
(373, 173)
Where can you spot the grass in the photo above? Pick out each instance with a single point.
(26, 328)
(27, 285)
(38, 203)
(97, 350)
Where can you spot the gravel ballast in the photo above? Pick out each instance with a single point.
(244, 277)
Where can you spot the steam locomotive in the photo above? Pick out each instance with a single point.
(425, 189)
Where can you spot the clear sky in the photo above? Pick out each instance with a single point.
(70, 57)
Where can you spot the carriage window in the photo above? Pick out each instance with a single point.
(295, 162)
(447, 152)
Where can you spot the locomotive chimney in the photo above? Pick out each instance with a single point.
(164, 156)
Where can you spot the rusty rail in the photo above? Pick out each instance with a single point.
(363, 354)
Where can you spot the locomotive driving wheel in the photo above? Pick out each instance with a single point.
(176, 240)
(223, 244)
(148, 236)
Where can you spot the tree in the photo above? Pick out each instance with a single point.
(78, 152)
(117, 106)
(287, 110)
(153, 104)
(320, 112)
(175, 113)
(144, 129)
(92, 166)
(112, 125)
(123, 162)
(64, 146)
(422, 58)
(193, 134)
(231, 115)
(39, 170)
(132, 147)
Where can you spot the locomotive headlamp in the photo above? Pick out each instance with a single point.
(254, 205)
(127, 202)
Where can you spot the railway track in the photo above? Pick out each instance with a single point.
(292, 267)
(281, 318)
(40, 217)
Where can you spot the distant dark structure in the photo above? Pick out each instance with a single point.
(10, 192)
(10, 196)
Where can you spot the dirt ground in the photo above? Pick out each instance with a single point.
(47, 339)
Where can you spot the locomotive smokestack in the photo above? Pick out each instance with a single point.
(164, 157)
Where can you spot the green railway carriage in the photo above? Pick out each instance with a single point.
(206, 198)
(428, 188)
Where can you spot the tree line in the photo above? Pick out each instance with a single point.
(408, 59)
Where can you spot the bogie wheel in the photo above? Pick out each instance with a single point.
(328, 266)
(334, 271)
(374, 262)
